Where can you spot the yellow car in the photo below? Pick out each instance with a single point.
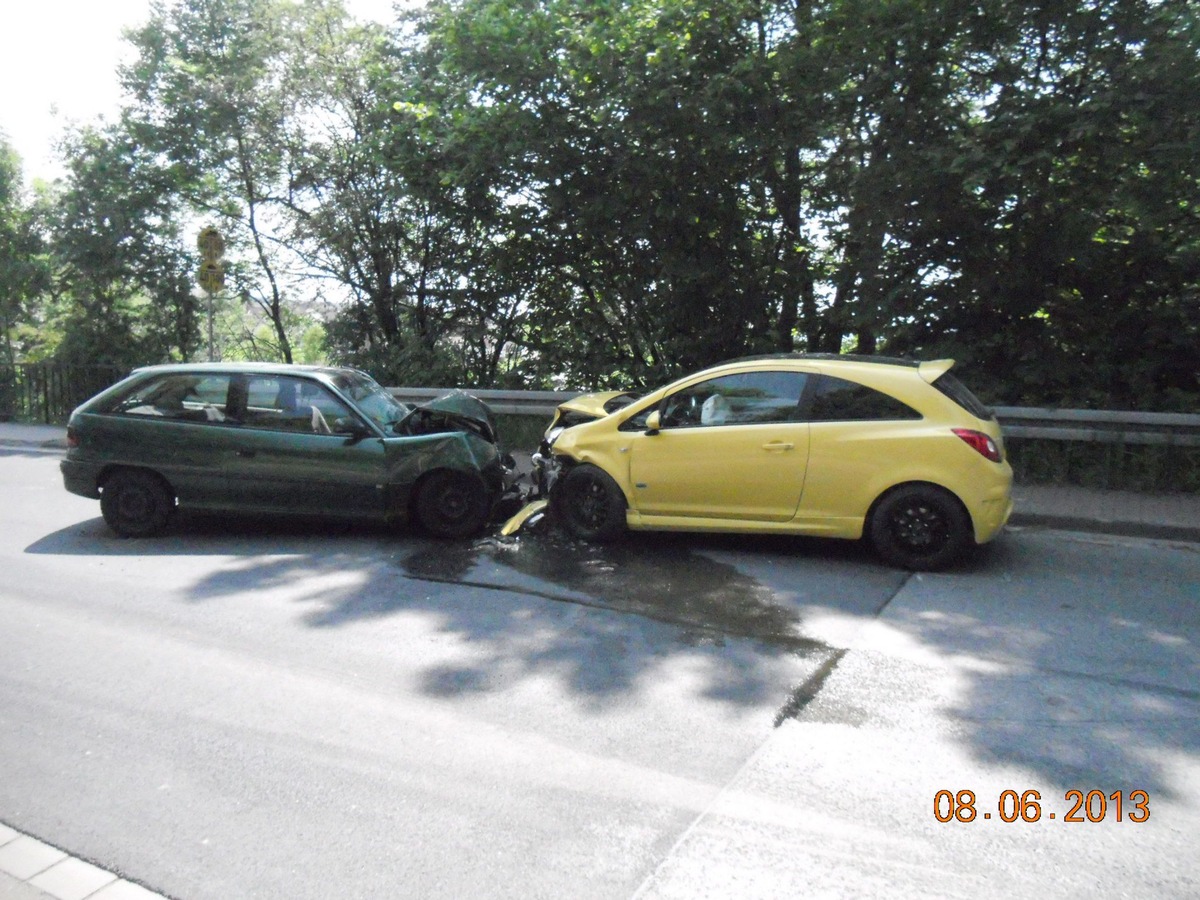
(831, 446)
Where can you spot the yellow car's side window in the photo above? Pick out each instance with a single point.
(749, 398)
(833, 399)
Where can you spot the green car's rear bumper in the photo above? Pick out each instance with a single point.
(80, 478)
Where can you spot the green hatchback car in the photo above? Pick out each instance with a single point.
(281, 440)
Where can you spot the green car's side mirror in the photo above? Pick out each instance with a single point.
(653, 423)
(351, 429)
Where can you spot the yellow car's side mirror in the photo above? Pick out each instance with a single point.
(653, 422)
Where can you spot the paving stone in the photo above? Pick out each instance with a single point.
(25, 857)
(72, 879)
(125, 890)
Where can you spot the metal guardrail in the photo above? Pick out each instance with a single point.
(1100, 426)
(1084, 425)
(505, 403)
(48, 392)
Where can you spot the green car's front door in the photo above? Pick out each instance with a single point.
(283, 455)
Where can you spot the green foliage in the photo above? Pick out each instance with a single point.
(521, 432)
(24, 269)
(689, 181)
(549, 193)
(1127, 467)
(121, 292)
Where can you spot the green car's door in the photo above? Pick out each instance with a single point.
(284, 456)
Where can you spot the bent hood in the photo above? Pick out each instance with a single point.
(592, 404)
(471, 411)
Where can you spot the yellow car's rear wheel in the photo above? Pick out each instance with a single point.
(921, 527)
(590, 505)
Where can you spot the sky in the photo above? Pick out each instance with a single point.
(59, 66)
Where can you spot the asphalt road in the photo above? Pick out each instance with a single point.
(242, 709)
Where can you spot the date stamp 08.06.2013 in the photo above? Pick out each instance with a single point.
(1028, 806)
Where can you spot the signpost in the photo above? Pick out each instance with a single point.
(211, 274)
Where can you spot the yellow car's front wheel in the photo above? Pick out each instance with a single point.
(589, 503)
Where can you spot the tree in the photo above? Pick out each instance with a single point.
(122, 277)
(1076, 275)
(372, 211)
(213, 91)
(609, 194)
(24, 273)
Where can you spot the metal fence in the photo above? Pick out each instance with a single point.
(1101, 426)
(46, 392)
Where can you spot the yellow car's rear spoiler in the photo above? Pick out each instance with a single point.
(934, 369)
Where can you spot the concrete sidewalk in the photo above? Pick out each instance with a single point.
(1162, 516)
(32, 870)
(20, 434)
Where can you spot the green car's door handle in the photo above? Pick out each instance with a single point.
(778, 445)
(245, 454)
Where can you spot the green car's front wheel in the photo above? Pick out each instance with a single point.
(452, 504)
(590, 504)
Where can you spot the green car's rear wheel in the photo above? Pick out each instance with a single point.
(135, 503)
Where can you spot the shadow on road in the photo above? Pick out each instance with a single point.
(600, 617)
(1075, 671)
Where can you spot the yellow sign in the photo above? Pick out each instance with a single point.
(211, 276)
(211, 244)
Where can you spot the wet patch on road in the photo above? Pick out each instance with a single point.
(660, 579)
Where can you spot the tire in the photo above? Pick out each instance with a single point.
(920, 527)
(590, 504)
(452, 504)
(136, 504)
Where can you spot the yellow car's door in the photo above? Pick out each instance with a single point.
(727, 448)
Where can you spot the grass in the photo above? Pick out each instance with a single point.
(521, 432)
(1127, 467)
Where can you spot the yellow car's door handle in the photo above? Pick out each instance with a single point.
(779, 445)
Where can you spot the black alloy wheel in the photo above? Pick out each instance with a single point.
(590, 504)
(920, 527)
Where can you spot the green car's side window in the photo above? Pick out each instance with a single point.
(750, 398)
(284, 403)
(191, 398)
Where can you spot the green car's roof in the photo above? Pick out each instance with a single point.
(262, 368)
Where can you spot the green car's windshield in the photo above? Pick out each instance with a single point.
(375, 402)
